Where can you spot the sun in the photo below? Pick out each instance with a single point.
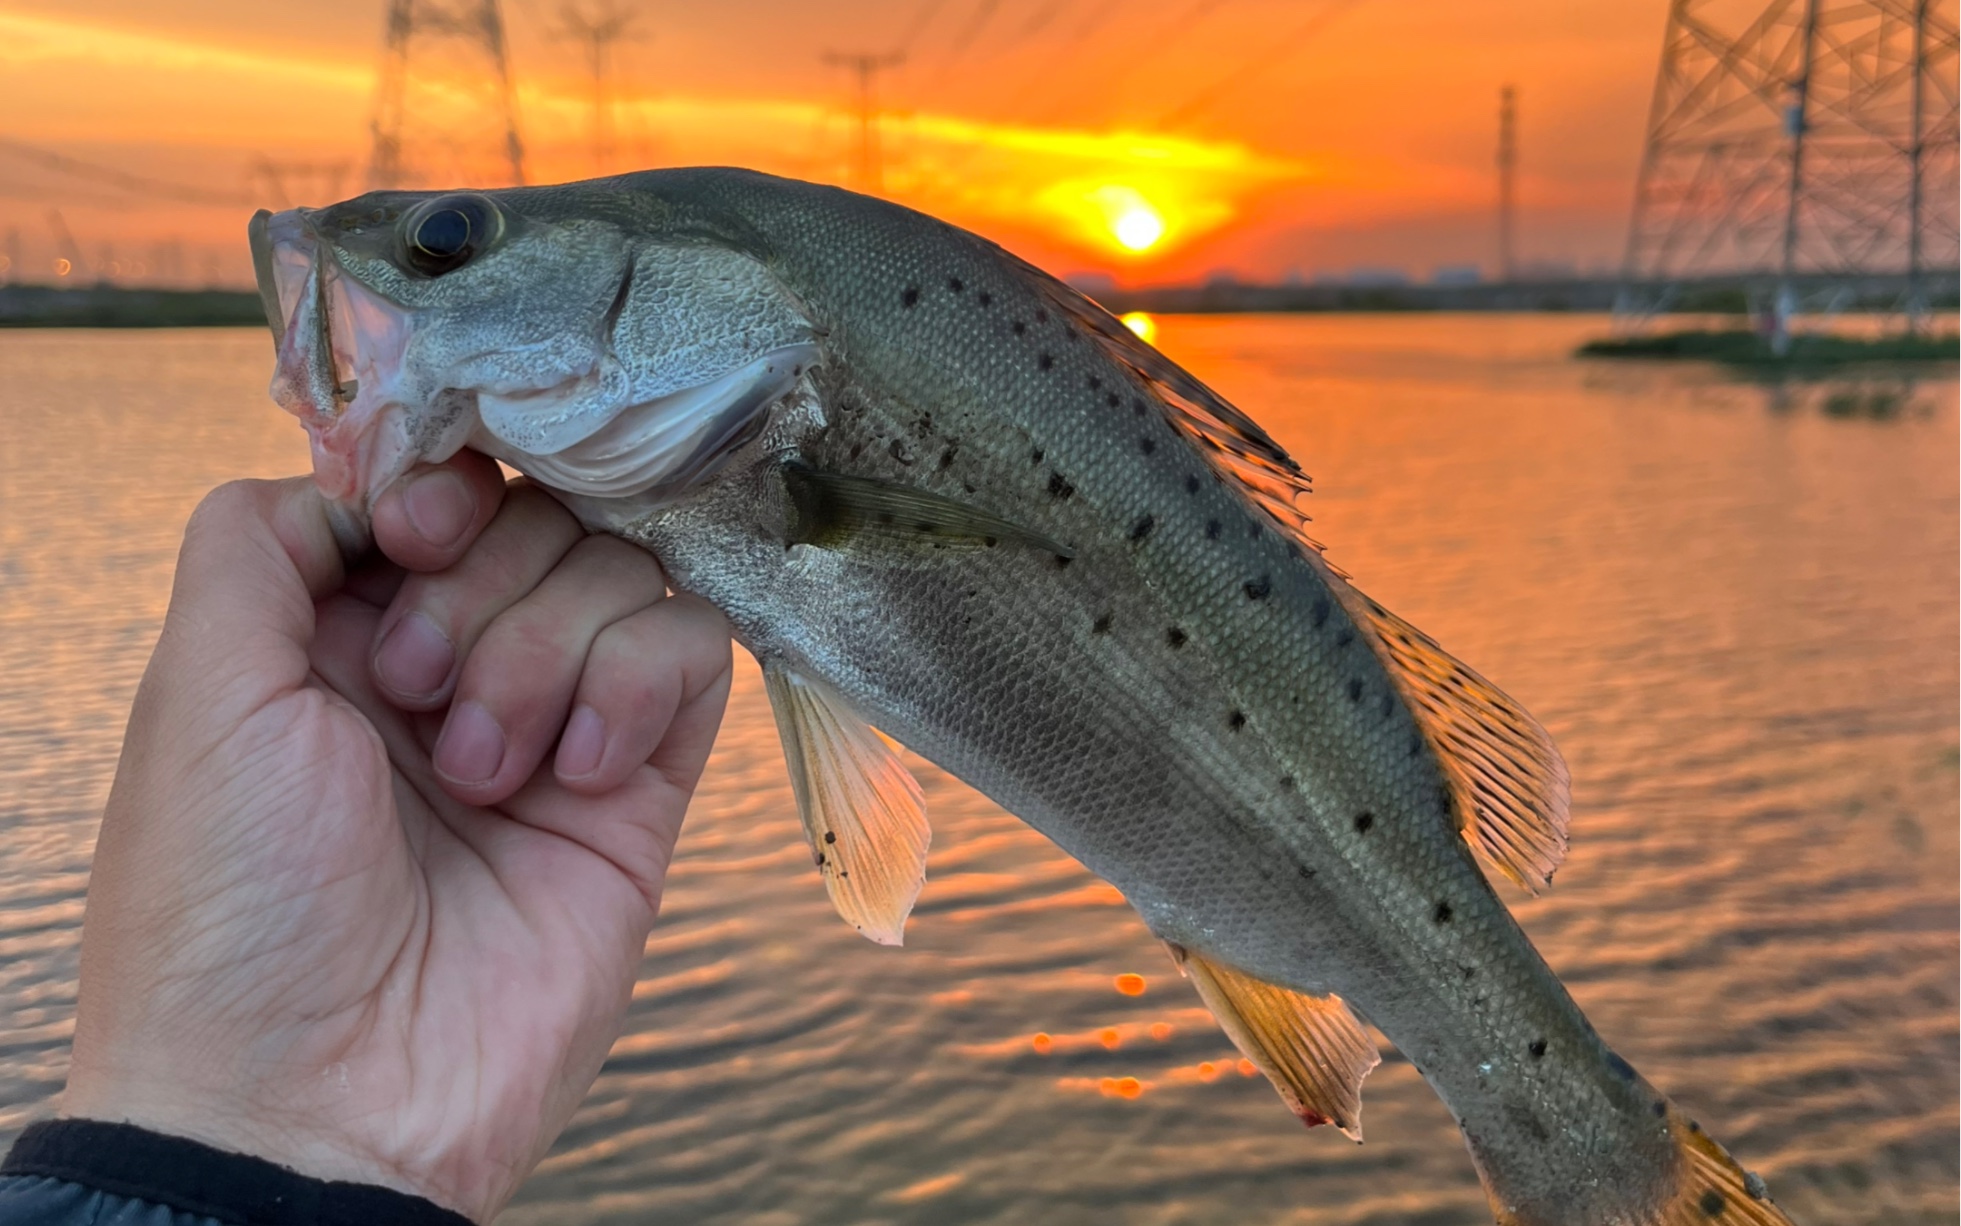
(1138, 228)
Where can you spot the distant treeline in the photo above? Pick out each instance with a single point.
(109, 306)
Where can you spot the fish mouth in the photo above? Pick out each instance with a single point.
(341, 352)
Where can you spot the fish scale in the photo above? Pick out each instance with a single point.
(994, 525)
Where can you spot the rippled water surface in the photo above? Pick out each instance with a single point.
(1734, 606)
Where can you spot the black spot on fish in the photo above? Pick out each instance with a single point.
(910, 297)
(1694, 1127)
(1287, 782)
(1059, 488)
(1191, 485)
(1388, 704)
(1041, 316)
(1660, 1108)
(1146, 445)
(1142, 528)
(1175, 637)
(885, 517)
(1112, 400)
(1101, 625)
(1442, 913)
(1259, 589)
(1344, 638)
(830, 836)
(1236, 720)
(986, 299)
(1045, 361)
(1212, 529)
(855, 449)
(899, 452)
(1363, 821)
(990, 541)
(1020, 327)
(1062, 561)
(1320, 611)
(1354, 690)
(1069, 333)
(1622, 1069)
(1415, 746)
(955, 284)
(1469, 972)
(820, 859)
(1137, 406)
(1252, 532)
(1095, 383)
(946, 459)
(1712, 1203)
(1306, 873)
(1538, 1049)
(1035, 456)
(1523, 1118)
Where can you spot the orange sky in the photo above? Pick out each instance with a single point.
(1196, 129)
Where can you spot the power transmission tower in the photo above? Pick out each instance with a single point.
(445, 111)
(1796, 145)
(597, 34)
(1507, 180)
(869, 171)
(69, 261)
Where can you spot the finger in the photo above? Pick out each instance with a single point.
(433, 512)
(437, 618)
(650, 683)
(256, 555)
(518, 681)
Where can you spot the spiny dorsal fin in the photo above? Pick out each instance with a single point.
(1311, 1048)
(831, 507)
(1508, 783)
(862, 810)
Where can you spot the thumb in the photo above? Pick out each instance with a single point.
(255, 558)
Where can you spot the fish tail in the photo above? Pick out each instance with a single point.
(1713, 1188)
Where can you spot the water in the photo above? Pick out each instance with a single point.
(1734, 606)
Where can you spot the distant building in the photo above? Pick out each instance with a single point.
(1376, 278)
(1457, 274)
(1548, 270)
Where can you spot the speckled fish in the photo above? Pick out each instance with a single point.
(939, 493)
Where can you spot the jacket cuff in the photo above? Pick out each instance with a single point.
(191, 1177)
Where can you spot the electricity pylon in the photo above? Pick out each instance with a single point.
(868, 166)
(1798, 140)
(1507, 181)
(596, 33)
(445, 110)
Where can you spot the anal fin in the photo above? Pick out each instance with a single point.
(1311, 1048)
(862, 810)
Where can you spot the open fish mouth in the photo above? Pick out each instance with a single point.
(342, 352)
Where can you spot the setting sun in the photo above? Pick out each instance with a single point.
(1139, 228)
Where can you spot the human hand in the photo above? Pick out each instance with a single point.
(344, 914)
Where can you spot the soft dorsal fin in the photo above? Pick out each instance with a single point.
(1509, 785)
(1508, 782)
(832, 507)
(1311, 1048)
(862, 810)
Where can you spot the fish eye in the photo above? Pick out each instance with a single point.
(447, 232)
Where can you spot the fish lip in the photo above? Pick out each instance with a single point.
(327, 321)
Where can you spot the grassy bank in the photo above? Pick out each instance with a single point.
(41, 306)
(1749, 350)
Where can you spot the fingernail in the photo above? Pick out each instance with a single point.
(471, 747)
(415, 659)
(439, 507)
(583, 744)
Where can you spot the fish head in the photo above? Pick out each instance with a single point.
(586, 335)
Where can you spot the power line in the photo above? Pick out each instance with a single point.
(597, 34)
(1286, 47)
(183, 193)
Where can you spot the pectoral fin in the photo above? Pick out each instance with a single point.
(862, 810)
(831, 509)
(1311, 1048)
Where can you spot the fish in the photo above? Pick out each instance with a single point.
(944, 499)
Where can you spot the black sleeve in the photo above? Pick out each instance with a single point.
(89, 1173)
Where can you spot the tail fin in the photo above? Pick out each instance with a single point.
(1714, 1190)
